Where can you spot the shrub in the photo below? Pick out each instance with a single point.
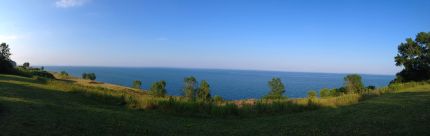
(325, 93)
(158, 89)
(42, 80)
(203, 93)
(89, 76)
(33, 72)
(371, 87)
(218, 99)
(312, 94)
(353, 83)
(137, 84)
(64, 74)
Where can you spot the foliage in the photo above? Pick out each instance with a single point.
(137, 84)
(26, 65)
(30, 72)
(312, 94)
(218, 99)
(158, 89)
(370, 87)
(64, 74)
(353, 83)
(277, 89)
(325, 92)
(414, 57)
(189, 90)
(89, 76)
(6, 65)
(203, 92)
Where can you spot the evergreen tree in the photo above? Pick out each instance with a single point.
(203, 93)
(189, 90)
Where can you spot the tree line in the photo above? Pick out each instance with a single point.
(201, 92)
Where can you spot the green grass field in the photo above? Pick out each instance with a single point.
(29, 107)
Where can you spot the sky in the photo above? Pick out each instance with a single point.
(334, 36)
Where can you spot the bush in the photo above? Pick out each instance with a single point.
(353, 83)
(371, 87)
(158, 89)
(325, 93)
(89, 76)
(33, 72)
(218, 99)
(64, 74)
(42, 80)
(312, 94)
(203, 92)
(137, 84)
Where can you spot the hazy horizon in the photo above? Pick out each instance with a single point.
(292, 36)
(191, 68)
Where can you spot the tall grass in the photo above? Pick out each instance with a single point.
(179, 105)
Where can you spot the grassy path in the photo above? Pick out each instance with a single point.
(30, 108)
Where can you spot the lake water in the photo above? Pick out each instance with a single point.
(230, 84)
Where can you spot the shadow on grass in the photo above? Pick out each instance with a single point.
(53, 97)
(18, 78)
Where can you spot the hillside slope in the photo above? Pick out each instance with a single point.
(29, 107)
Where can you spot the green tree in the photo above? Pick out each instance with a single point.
(203, 93)
(89, 76)
(325, 92)
(6, 65)
(189, 90)
(353, 83)
(84, 76)
(218, 99)
(277, 89)
(312, 94)
(414, 57)
(137, 84)
(371, 87)
(92, 76)
(158, 89)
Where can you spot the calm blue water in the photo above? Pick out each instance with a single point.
(230, 84)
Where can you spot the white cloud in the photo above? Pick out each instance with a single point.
(70, 3)
(8, 38)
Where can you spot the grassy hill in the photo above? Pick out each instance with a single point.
(30, 107)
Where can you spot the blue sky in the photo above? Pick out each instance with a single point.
(336, 36)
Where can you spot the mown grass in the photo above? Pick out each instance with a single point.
(33, 107)
(178, 105)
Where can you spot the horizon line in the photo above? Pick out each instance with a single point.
(202, 68)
